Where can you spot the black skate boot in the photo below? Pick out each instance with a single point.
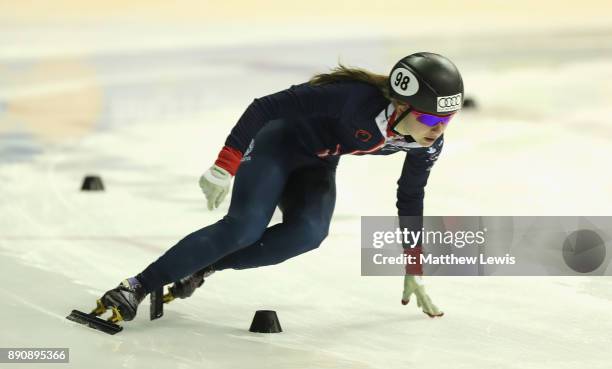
(123, 300)
(185, 287)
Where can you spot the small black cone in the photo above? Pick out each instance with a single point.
(469, 103)
(265, 321)
(92, 183)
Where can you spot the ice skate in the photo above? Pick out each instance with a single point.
(122, 300)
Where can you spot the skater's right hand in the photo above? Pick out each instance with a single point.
(414, 285)
(215, 184)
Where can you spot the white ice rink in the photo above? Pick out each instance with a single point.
(149, 121)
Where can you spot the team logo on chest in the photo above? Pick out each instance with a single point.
(363, 135)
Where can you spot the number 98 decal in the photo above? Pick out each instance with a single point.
(404, 82)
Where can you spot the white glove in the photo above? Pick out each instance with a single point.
(215, 184)
(414, 284)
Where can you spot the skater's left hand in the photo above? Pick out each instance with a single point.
(414, 285)
(215, 184)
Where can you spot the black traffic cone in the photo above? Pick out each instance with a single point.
(265, 321)
(92, 183)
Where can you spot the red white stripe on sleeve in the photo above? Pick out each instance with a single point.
(229, 159)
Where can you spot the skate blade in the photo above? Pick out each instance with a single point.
(94, 322)
(157, 304)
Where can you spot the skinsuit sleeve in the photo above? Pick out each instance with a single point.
(411, 192)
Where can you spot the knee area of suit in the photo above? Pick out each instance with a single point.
(311, 233)
(245, 230)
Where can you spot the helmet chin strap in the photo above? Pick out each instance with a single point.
(399, 119)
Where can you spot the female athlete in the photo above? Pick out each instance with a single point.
(284, 151)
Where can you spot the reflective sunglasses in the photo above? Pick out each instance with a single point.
(430, 120)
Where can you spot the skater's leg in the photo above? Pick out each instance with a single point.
(257, 190)
(307, 204)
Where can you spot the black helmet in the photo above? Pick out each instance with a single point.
(428, 82)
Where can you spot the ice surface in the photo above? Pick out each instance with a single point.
(149, 122)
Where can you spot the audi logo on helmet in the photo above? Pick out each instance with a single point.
(449, 103)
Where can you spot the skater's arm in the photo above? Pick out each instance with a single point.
(297, 100)
(410, 195)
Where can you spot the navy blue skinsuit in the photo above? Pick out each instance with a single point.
(292, 141)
